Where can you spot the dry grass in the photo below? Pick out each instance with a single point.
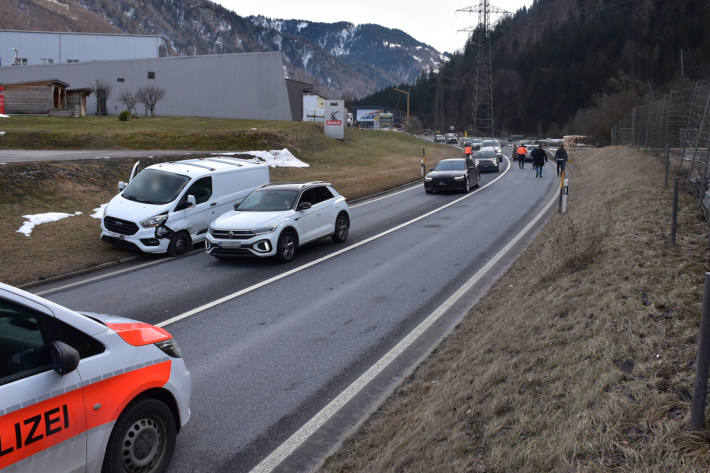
(366, 162)
(578, 360)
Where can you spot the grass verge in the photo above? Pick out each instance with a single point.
(365, 163)
(580, 358)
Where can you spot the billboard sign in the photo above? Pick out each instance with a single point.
(335, 117)
(368, 114)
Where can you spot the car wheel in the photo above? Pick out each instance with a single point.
(286, 246)
(428, 191)
(342, 226)
(467, 189)
(143, 439)
(179, 244)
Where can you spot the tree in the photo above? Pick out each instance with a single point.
(129, 101)
(149, 97)
(102, 89)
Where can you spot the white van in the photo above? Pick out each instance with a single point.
(167, 207)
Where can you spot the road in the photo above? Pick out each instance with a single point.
(266, 360)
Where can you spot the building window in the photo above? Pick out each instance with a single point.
(120, 79)
(47, 60)
(151, 75)
(72, 60)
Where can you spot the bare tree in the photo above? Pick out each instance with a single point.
(149, 97)
(129, 101)
(102, 89)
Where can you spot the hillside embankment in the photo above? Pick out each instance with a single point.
(366, 162)
(579, 359)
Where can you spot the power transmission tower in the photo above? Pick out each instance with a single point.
(439, 115)
(482, 112)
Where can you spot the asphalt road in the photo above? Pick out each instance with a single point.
(265, 362)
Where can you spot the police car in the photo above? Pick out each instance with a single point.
(86, 392)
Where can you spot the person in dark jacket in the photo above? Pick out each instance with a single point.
(538, 159)
(561, 158)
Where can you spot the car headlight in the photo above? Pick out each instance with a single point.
(155, 221)
(428, 179)
(261, 231)
(459, 178)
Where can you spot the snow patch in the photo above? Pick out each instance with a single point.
(418, 59)
(38, 219)
(301, 25)
(99, 212)
(2, 115)
(275, 158)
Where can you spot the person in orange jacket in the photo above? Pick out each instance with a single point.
(521, 156)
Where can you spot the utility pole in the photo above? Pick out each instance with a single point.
(482, 113)
(439, 115)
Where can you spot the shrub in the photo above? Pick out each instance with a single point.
(123, 116)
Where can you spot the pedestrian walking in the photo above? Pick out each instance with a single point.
(561, 158)
(539, 157)
(521, 156)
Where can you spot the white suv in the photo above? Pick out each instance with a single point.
(276, 219)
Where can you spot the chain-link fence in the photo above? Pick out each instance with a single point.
(676, 126)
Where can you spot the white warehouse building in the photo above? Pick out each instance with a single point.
(23, 48)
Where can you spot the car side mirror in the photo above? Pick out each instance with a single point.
(236, 204)
(191, 201)
(121, 186)
(64, 358)
(304, 206)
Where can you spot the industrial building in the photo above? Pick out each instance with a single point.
(26, 48)
(248, 85)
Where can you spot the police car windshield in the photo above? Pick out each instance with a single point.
(456, 165)
(151, 186)
(269, 200)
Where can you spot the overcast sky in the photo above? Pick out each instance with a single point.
(434, 22)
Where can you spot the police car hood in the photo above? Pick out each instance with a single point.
(133, 211)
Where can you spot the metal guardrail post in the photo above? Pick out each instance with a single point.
(674, 212)
(702, 361)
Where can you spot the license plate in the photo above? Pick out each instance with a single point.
(442, 183)
(229, 244)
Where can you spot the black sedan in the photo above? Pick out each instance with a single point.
(452, 174)
(487, 160)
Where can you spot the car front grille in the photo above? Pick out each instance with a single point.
(232, 234)
(116, 225)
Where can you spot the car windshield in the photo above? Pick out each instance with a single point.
(269, 200)
(151, 186)
(486, 154)
(489, 144)
(455, 165)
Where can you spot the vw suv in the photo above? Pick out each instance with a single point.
(276, 219)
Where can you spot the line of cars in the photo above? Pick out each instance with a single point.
(229, 204)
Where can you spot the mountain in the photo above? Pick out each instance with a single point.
(349, 60)
(561, 65)
(401, 57)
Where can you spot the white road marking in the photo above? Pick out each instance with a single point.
(278, 277)
(100, 277)
(301, 435)
(416, 186)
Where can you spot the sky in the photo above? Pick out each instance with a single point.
(432, 22)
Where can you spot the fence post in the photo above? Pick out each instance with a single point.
(700, 132)
(697, 416)
(687, 126)
(633, 127)
(674, 212)
(668, 165)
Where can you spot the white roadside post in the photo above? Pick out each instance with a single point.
(564, 190)
(335, 117)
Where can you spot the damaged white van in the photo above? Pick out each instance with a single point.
(168, 207)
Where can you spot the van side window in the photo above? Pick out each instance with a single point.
(201, 189)
(322, 194)
(23, 351)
